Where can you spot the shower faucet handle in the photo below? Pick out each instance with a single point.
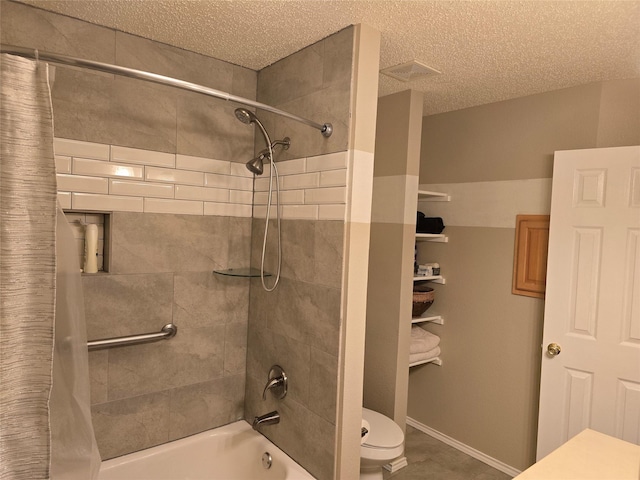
(277, 381)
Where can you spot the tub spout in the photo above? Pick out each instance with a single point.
(270, 418)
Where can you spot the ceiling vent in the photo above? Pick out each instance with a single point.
(409, 71)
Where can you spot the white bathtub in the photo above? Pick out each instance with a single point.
(232, 452)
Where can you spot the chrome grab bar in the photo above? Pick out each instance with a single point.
(167, 332)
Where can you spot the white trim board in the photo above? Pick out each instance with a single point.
(472, 452)
(394, 465)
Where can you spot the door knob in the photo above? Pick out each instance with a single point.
(553, 349)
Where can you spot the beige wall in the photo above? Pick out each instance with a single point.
(485, 395)
(390, 285)
(516, 139)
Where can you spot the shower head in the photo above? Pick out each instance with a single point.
(256, 165)
(245, 116)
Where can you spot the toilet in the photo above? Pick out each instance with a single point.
(383, 442)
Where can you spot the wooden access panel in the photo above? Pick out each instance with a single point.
(530, 258)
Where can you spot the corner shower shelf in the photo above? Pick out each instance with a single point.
(241, 272)
(434, 360)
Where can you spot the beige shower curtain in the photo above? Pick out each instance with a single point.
(45, 424)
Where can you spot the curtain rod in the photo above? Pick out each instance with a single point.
(326, 129)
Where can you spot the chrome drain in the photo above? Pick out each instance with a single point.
(267, 461)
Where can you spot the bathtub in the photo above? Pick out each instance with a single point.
(232, 452)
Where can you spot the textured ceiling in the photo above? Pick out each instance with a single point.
(487, 51)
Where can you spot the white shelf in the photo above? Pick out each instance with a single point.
(426, 195)
(434, 360)
(432, 237)
(433, 278)
(428, 317)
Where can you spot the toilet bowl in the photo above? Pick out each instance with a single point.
(383, 442)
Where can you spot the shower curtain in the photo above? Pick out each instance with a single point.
(45, 421)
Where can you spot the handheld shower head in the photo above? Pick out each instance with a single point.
(245, 116)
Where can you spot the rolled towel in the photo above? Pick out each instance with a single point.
(422, 341)
(430, 355)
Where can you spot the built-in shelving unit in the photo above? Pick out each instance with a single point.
(425, 195)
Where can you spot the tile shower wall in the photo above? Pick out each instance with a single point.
(150, 154)
(161, 262)
(298, 325)
(161, 272)
(94, 176)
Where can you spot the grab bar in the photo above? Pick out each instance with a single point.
(167, 332)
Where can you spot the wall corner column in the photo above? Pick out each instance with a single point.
(364, 93)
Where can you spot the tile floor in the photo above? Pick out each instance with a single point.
(431, 459)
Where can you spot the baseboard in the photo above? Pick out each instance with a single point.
(396, 464)
(472, 452)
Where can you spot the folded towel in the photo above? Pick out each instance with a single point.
(431, 354)
(422, 341)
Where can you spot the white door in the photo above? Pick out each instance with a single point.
(592, 308)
